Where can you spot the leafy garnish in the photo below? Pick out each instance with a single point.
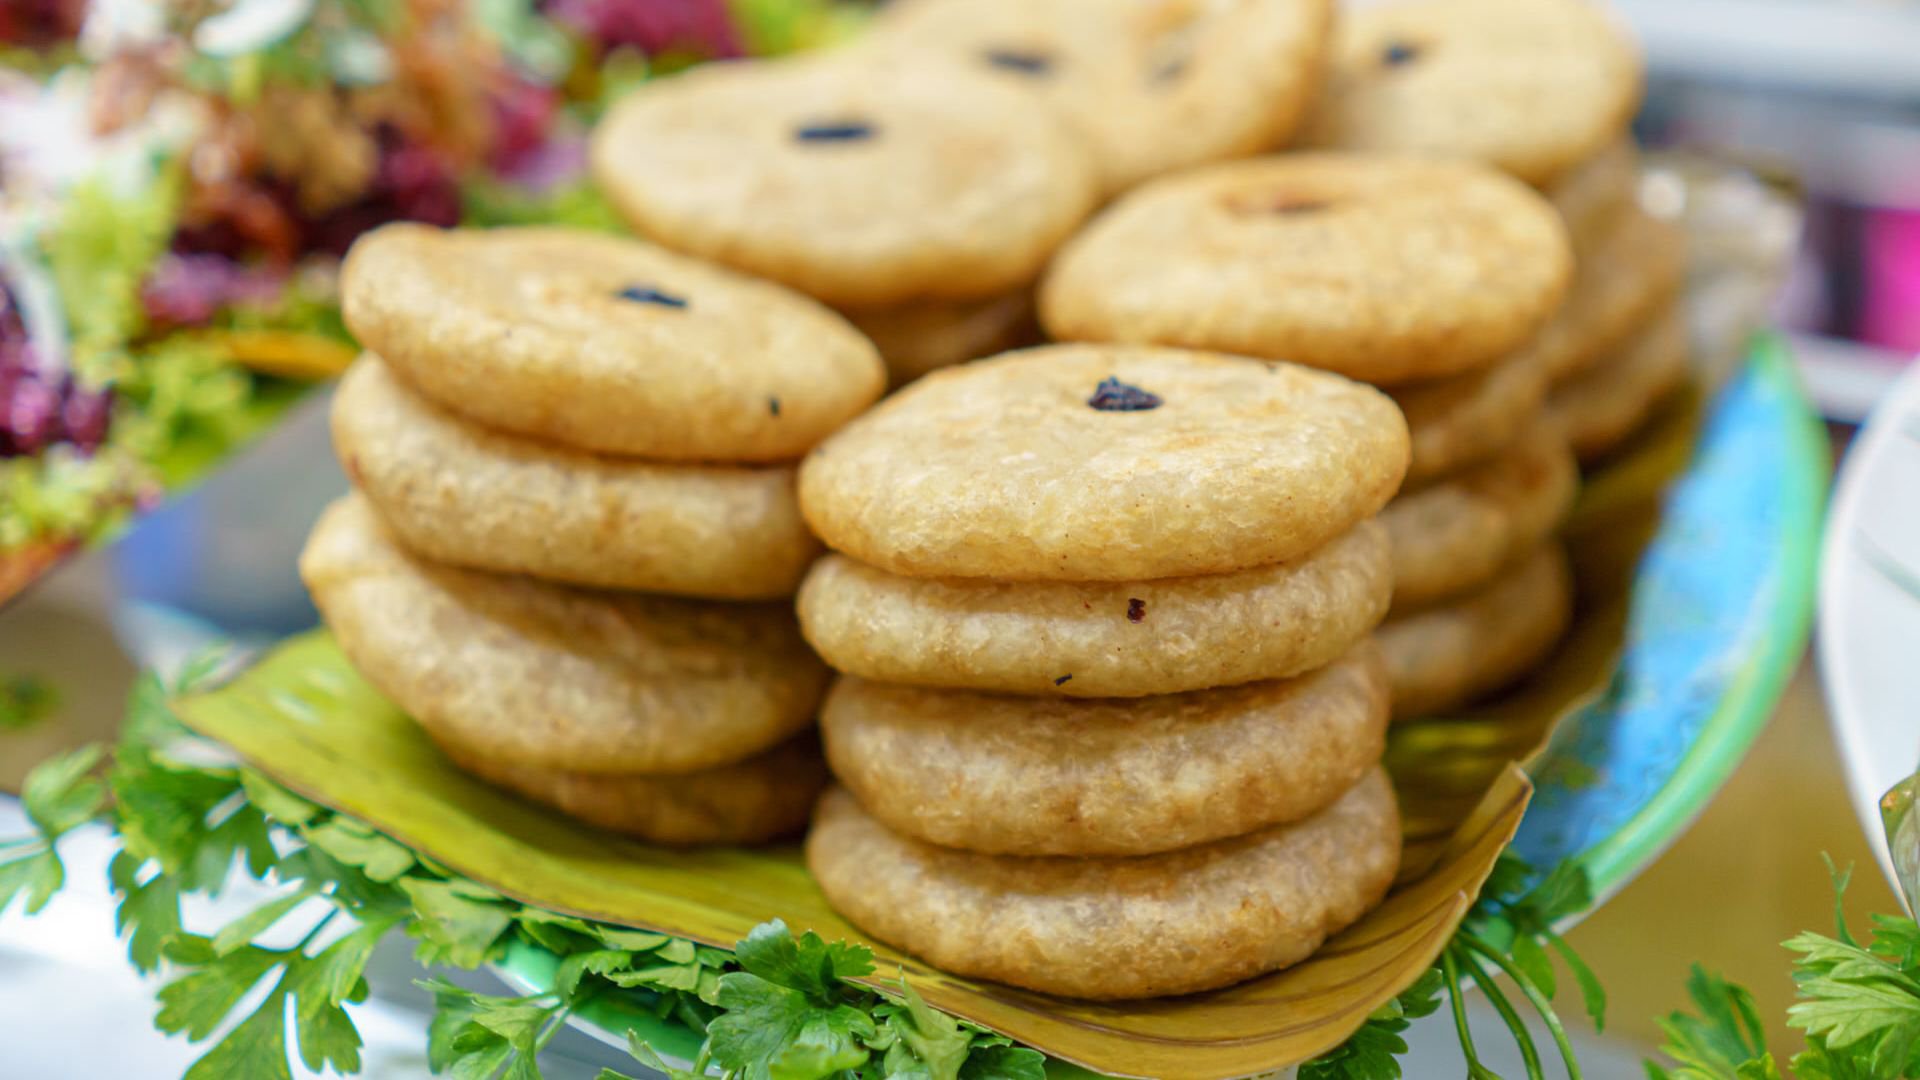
(1509, 932)
(778, 1007)
(99, 251)
(1374, 1051)
(1859, 1006)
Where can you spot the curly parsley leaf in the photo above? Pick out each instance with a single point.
(1859, 1006)
(256, 1049)
(1510, 928)
(244, 929)
(195, 1004)
(806, 964)
(62, 793)
(59, 796)
(921, 1043)
(453, 929)
(773, 1032)
(1726, 1041)
(999, 1060)
(358, 846)
(1856, 1002)
(149, 909)
(37, 876)
(473, 1036)
(1373, 1052)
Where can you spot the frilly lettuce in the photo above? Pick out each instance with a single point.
(100, 250)
(489, 202)
(772, 27)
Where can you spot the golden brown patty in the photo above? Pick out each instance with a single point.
(1099, 639)
(1039, 776)
(1114, 928)
(1446, 656)
(750, 802)
(543, 675)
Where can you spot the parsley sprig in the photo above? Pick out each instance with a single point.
(778, 1007)
(1859, 1006)
(1509, 932)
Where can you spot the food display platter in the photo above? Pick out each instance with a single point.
(1693, 551)
(1705, 639)
(1652, 702)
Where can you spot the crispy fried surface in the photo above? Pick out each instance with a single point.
(462, 494)
(1388, 269)
(526, 329)
(1446, 656)
(763, 798)
(1001, 468)
(1593, 194)
(917, 338)
(1148, 88)
(1456, 534)
(1114, 928)
(1038, 776)
(1531, 86)
(1099, 639)
(1599, 409)
(1465, 419)
(955, 187)
(538, 674)
(1628, 275)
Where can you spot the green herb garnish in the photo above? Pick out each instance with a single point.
(778, 1006)
(1510, 932)
(1859, 1007)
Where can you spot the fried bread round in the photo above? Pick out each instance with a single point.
(458, 493)
(606, 344)
(549, 676)
(1099, 639)
(1448, 656)
(1115, 928)
(1387, 269)
(1456, 534)
(857, 179)
(763, 798)
(1036, 776)
(1147, 87)
(1532, 86)
(1104, 463)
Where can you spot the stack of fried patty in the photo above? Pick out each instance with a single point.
(575, 531)
(1110, 718)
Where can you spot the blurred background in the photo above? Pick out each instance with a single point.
(1825, 92)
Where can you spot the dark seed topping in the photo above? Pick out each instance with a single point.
(773, 405)
(1112, 395)
(1281, 203)
(1170, 70)
(1399, 52)
(842, 131)
(641, 294)
(1136, 610)
(1026, 63)
(1062, 680)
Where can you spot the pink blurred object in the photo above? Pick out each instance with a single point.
(702, 27)
(188, 290)
(1890, 298)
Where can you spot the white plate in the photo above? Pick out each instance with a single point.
(1869, 639)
